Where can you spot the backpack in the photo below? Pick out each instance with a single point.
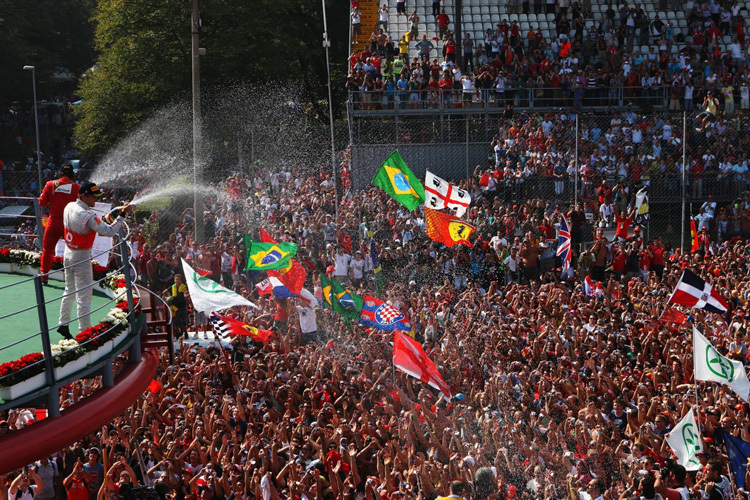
(20, 493)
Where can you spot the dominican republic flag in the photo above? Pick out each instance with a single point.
(439, 194)
(563, 243)
(693, 291)
(592, 288)
(410, 358)
(273, 285)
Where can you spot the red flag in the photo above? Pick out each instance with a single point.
(154, 387)
(447, 229)
(410, 358)
(693, 236)
(233, 327)
(294, 276)
(202, 272)
(672, 315)
(265, 237)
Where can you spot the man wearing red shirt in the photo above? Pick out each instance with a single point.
(442, 21)
(545, 65)
(450, 49)
(657, 257)
(713, 34)
(56, 194)
(619, 259)
(76, 484)
(623, 224)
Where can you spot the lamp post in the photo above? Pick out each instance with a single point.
(36, 124)
(327, 45)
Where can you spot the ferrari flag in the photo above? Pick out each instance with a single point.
(447, 229)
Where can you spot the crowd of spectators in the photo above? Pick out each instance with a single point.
(556, 394)
(587, 61)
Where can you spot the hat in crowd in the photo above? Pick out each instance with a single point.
(94, 449)
(90, 188)
(67, 170)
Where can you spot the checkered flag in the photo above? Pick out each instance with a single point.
(220, 327)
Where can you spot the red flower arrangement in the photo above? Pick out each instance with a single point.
(123, 306)
(4, 254)
(90, 338)
(13, 370)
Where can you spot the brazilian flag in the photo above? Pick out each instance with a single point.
(264, 256)
(340, 298)
(327, 295)
(395, 178)
(349, 303)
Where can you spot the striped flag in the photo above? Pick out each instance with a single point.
(693, 291)
(592, 288)
(563, 243)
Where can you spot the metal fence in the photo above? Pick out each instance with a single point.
(527, 98)
(456, 141)
(563, 157)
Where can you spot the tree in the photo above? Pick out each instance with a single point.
(144, 59)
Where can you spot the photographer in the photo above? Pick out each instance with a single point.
(21, 487)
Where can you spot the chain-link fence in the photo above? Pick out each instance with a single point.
(553, 156)
(601, 159)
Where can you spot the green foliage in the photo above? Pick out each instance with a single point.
(144, 57)
(48, 34)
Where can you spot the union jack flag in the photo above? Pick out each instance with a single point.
(563, 243)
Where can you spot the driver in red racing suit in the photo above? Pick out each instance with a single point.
(56, 194)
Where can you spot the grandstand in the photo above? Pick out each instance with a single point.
(477, 16)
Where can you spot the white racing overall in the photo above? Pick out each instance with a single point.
(81, 226)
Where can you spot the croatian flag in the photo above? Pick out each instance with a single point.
(592, 288)
(563, 243)
(693, 291)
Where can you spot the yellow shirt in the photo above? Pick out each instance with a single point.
(403, 47)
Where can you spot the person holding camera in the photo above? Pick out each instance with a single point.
(22, 489)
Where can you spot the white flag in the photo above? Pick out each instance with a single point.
(642, 214)
(685, 441)
(209, 296)
(711, 366)
(439, 194)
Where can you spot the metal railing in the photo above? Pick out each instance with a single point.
(482, 100)
(52, 384)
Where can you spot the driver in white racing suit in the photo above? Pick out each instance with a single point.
(81, 225)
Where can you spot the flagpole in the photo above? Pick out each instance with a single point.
(575, 190)
(684, 153)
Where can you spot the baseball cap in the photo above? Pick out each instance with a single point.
(90, 188)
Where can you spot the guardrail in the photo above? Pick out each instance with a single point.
(104, 366)
(482, 100)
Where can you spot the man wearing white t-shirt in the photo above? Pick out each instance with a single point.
(22, 489)
(357, 268)
(308, 323)
(341, 264)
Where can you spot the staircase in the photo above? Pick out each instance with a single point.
(158, 331)
(369, 11)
